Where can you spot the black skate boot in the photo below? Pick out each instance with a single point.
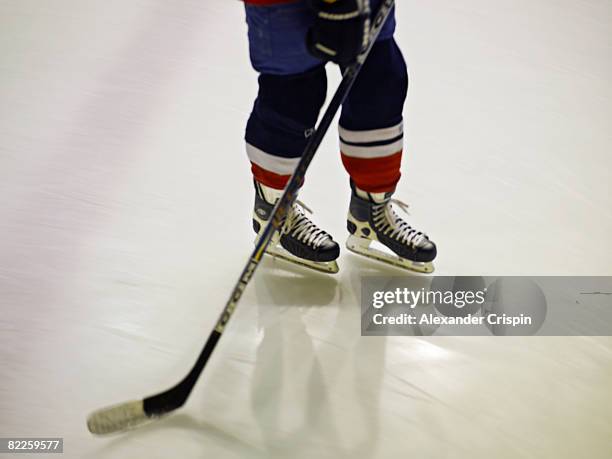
(372, 218)
(300, 241)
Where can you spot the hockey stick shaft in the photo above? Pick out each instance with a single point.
(132, 414)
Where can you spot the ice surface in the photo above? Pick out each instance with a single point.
(125, 202)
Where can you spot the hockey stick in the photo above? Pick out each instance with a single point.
(134, 413)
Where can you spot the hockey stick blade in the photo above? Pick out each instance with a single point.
(117, 418)
(129, 415)
(135, 413)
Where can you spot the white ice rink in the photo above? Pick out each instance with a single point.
(125, 203)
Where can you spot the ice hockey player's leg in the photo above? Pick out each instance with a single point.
(285, 111)
(284, 114)
(292, 90)
(372, 218)
(300, 241)
(371, 140)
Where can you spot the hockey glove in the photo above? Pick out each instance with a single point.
(341, 29)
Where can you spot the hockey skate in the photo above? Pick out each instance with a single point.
(300, 241)
(372, 218)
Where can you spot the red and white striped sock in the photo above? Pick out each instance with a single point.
(373, 158)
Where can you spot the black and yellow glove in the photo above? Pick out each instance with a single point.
(341, 29)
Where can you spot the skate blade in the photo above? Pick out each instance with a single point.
(361, 246)
(276, 251)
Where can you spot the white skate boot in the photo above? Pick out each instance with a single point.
(300, 241)
(372, 218)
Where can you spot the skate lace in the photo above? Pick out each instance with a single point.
(302, 228)
(386, 220)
